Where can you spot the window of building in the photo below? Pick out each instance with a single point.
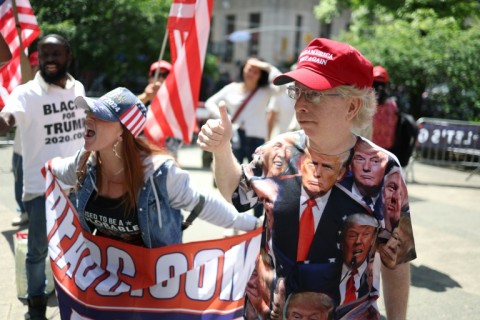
(229, 28)
(325, 30)
(298, 35)
(253, 46)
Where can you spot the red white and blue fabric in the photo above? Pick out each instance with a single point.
(172, 112)
(133, 119)
(10, 73)
(101, 278)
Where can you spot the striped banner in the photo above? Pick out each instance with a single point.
(101, 278)
(11, 74)
(172, 112)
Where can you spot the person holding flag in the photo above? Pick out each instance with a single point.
(172, 111)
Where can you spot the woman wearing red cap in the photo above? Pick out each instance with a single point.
(332, 89)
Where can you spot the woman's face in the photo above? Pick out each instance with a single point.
(251, 73)
(100, 135)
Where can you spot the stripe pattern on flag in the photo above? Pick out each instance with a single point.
(173, 110)
(133, 119)
(10, 74)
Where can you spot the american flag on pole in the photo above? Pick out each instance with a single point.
(10, 74)
(172, 112)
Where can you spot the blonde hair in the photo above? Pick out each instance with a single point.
(368, 105)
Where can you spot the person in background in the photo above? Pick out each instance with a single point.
(153, 84)
(164, 68)
(386, 117)
(247, 102)
(42, 110)
(17, 160)
(332, 86)
(251, 123)
(280, 113)
(126, 181)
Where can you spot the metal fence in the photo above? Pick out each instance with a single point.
(448, 142)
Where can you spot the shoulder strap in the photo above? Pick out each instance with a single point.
(239, 110)
(194, 214)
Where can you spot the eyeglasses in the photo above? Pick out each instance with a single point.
(311, 96)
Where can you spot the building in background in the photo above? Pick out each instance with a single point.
(273, 30)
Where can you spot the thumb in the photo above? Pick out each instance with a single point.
(222, 108)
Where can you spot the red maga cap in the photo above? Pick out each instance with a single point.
(325, 64)
(380, 74)
(162, 64)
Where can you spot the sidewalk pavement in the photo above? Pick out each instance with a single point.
(445, 214)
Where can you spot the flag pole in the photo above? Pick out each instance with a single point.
(160, 56)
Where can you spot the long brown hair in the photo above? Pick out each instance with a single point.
(134, 151)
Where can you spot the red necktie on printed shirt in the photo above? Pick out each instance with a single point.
(306, 231)
(351, 291)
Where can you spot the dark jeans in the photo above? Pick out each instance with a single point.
(245, 150)
(247, 146)
(37, 247)
(17, 167)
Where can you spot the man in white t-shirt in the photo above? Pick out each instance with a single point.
(50, 126)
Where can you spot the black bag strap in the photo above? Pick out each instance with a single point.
(194, 213)
(244, 103)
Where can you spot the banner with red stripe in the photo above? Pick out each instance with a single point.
(101, 278)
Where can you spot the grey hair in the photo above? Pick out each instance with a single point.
(368, 105)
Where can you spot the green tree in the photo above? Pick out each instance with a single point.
(421, 43)
(114, 38)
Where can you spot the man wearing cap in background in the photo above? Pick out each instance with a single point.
(163, 68)
(154, 84)
(386, 117)
(332, 87)
(50, 125)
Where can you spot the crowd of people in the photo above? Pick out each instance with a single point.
(329, 199)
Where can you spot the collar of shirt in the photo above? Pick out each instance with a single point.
(318, 209)
(45, 86)
(357, 194)
(360, 271)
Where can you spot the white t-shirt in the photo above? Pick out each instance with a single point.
(253, 118)
(50, 125)
(284, 107)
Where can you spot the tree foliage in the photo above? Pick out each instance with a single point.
(423, 44)
(116, 38)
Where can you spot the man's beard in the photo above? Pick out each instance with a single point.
(53, 78)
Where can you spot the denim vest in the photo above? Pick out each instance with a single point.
(160, 224)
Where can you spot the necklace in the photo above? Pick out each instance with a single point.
(118, 172)
(311, 147)
(109, 178)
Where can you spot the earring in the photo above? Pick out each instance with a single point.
(115, 150)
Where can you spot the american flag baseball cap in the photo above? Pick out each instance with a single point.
(120, 104)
